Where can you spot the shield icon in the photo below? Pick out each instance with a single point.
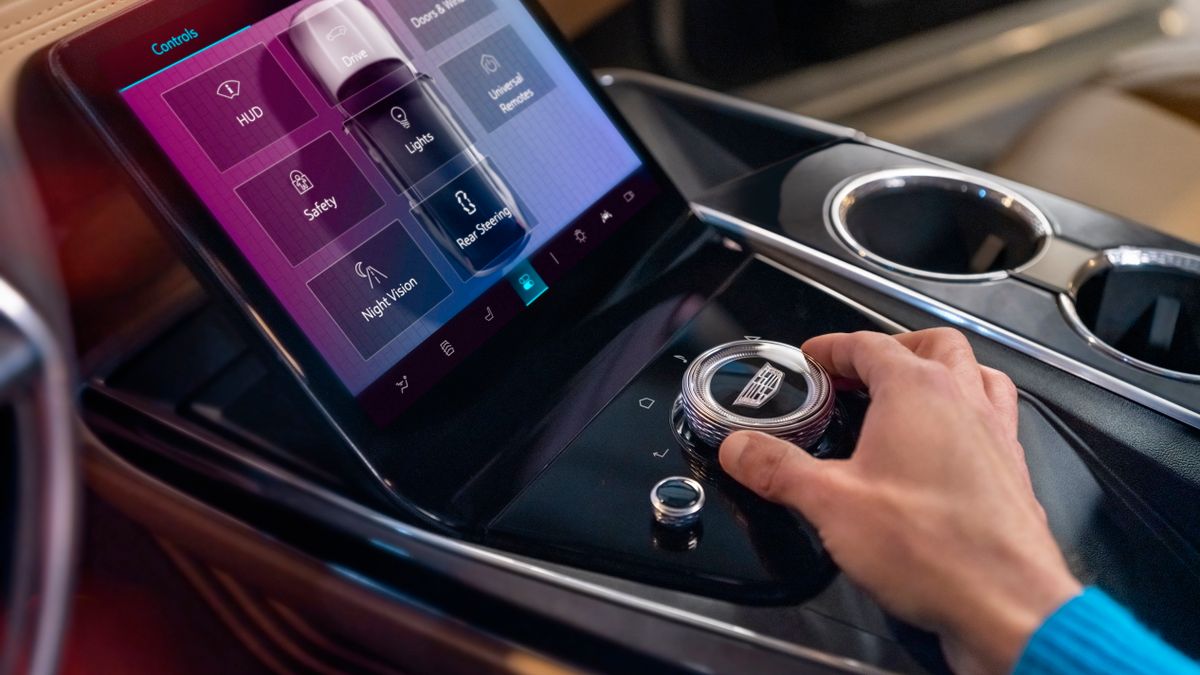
(761, 388)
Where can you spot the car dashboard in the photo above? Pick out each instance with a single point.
(555, 504)
(550, 510)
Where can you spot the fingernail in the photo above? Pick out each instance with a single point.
(733, 447)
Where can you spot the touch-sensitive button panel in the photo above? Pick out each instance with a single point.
(677, 502)
(756, 385)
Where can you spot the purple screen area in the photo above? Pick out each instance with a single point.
(331, 234)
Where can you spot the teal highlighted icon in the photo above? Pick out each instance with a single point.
(526, 282)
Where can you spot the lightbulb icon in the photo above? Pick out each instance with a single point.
(401, 117)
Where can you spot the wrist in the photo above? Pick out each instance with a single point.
(1009, 608)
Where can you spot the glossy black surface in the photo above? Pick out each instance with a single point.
(1108, 537)
(729, 383)
(704, 139)
(590, 505)
(678, 494)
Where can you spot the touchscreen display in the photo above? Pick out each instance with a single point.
(406, 176)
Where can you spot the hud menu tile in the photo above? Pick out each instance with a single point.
(240, 106)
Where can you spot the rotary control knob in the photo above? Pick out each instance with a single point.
(677, 502)
(757, 385)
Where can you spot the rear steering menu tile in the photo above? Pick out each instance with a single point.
(310, 198)
(380, 289)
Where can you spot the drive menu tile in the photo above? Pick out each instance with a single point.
(310, 198)
(240, 106)
(380, 289)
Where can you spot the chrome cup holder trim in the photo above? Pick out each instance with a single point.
(843, 198)
(1118, 258)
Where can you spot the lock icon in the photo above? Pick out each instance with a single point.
(301, 182)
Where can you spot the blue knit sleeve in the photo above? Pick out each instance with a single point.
(1092, 634)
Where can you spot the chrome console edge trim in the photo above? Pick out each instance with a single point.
(894, 325)
(773, 241)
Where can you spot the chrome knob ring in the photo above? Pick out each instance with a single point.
(757, 385)
(677, 502)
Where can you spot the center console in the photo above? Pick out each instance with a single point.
(598, 492)
(733, 366)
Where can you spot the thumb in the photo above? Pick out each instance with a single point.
(777, 471)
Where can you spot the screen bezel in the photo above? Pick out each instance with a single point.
(90, 73)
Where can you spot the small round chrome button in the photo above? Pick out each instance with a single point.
(757, 385)
(677, 502)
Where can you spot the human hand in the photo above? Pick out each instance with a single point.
(934, 514)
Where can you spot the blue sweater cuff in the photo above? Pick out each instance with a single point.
(1091, 633)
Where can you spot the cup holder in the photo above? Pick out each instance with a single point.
(1141, 306)
(939, 224)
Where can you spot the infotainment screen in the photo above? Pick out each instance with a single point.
(405, 176)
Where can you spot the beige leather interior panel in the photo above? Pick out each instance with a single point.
(27, 26)
(1167, 75)
(1119, 152)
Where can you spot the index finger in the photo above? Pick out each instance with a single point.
(870, 358)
